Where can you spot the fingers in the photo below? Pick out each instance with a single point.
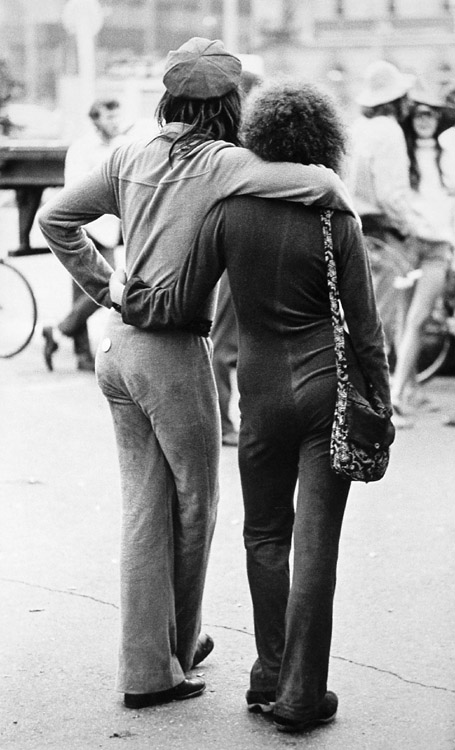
(120, 275)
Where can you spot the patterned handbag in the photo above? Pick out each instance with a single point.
(362, 430)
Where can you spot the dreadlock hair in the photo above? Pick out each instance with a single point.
(208, 119)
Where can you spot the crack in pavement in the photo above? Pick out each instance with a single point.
(357, 664)
(393, 674)
(59, 591)
(236, 630)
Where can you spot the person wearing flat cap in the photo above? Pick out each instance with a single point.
(379, 182)
(160, 385)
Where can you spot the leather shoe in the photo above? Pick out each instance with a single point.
(189, 688)
(204, 647)
(50, 346)
(324, 712)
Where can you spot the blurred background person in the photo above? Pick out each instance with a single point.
(7, 88)
(224, 329)
(379, 182)
(447, 142)
(433, 241)
(225, 352)
(83, 155)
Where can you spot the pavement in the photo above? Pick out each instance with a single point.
(393, 659)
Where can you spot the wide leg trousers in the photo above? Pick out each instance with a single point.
(283, 443)
(163, 400)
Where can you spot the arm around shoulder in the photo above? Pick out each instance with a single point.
(241, 172)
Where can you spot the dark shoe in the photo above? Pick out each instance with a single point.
(189, 688)
(204, 647)
(260, 702)
(85, 363)
(230, 438)
(323, 713)
(50, 346)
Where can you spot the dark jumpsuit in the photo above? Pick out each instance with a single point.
(274, 255)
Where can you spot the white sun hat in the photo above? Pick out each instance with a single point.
(383, 83)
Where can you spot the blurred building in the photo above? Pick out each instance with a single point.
(327, 40)
(333, 41)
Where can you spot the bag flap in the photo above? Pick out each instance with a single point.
(368, 425)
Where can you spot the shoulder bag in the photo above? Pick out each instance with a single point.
(362, 430)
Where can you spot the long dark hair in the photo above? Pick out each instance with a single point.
(388, 109)
(411, 144)
(210, 119)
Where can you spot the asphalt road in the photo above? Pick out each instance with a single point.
(393, 658)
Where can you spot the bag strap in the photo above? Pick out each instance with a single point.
(332, 281)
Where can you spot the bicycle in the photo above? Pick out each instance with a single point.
(438, 334)
(18, 310)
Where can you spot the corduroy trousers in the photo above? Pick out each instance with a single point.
(163, 400)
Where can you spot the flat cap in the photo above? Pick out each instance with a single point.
(201, 69)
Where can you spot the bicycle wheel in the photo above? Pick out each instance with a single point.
(387, 265)
(435, 343)
(386, 259)
(18, 311)
(381, 256)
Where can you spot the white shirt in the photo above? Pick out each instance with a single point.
(378, 175)
(83, 155)
(432, 202)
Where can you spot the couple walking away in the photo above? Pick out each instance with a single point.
(193, 200)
